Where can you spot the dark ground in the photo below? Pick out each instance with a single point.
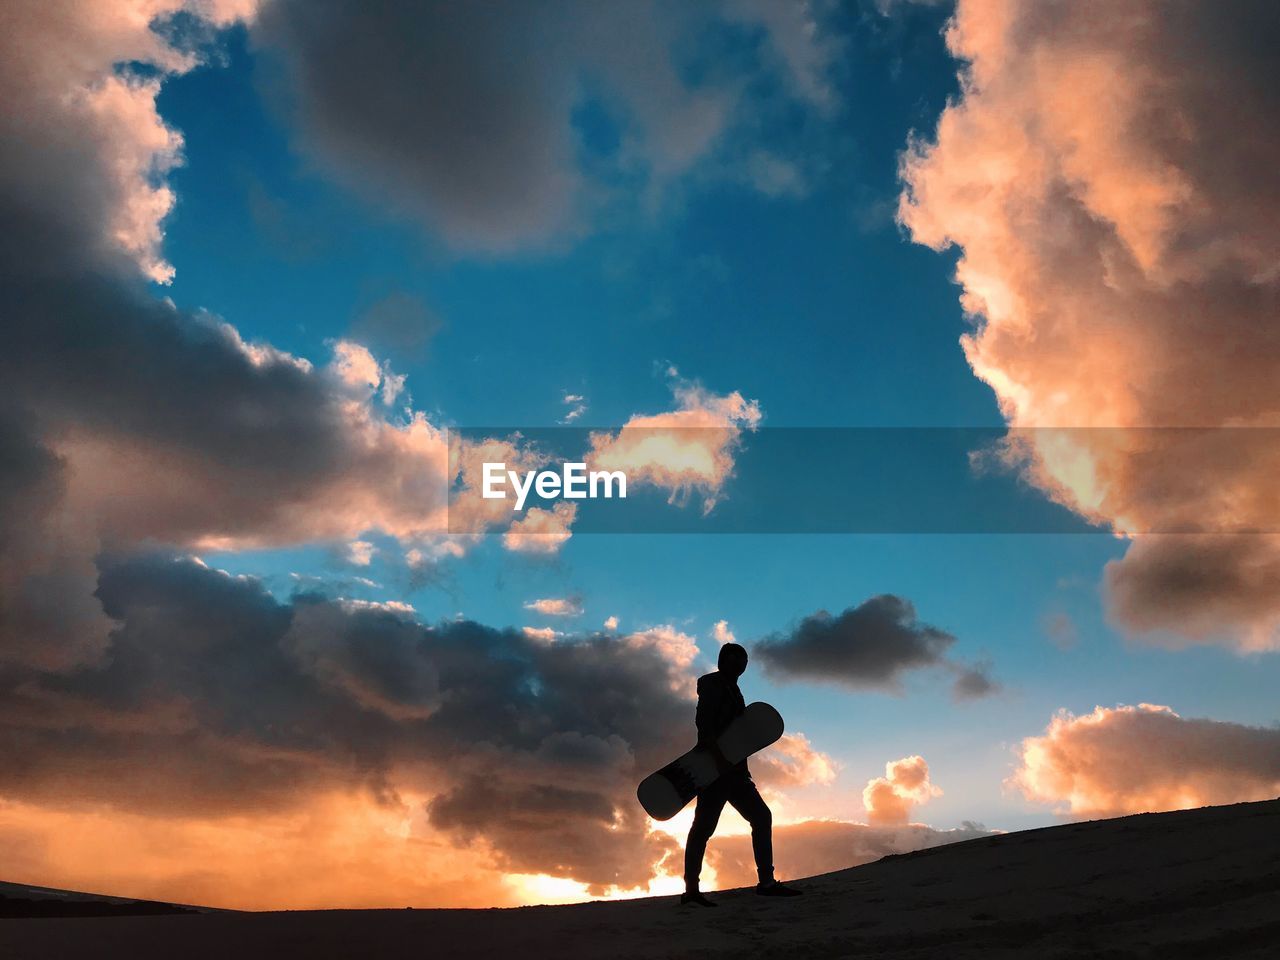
(1192, 884)
(25, 901)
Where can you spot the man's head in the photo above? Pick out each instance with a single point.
(733, 660)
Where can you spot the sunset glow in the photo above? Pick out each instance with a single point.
(926, 350)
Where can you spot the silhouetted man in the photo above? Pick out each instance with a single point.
(719, 703)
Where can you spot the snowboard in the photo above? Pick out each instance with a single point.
(663, 794)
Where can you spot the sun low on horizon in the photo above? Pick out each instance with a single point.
(403, 405)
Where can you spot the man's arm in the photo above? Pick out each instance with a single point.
(710, 700)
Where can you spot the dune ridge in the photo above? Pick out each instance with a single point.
(1193, 883)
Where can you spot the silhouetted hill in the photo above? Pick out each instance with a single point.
(1192, 884)
(25, 901)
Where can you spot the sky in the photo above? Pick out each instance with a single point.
(956, 324)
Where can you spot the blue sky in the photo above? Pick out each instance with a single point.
(817, 306)
(270, 256)
(705, 283)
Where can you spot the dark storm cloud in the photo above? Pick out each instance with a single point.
(48, 614)
(536, 828)
(148, 423)
(441, 106)
(213, 698)
(126, 419)
(255, 433)
(463, 114)
(108, 359)
(871, 645)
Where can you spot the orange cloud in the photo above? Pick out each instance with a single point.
(688, 449)
(1129, 759)
(793, 762)
(721, 633)
(674, 647)
(556, 606)
(545, 634)
(541, 531)
(904, 786)
(685, 450)
(469, 511)
(1119, 245)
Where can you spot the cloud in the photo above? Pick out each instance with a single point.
(140, 422)
(360, 553)
(219, 444)
(691, 448)
(721, 633)
(889, 8)
(1128, 759)
(799, 40)
(676, 648)
(793, 762)
(215, 699)
(84, 140)
(136, 421)
(151, 686)
(870, 646)
(973, 681)
(423, 559)
(821, 846)
(541, 531)
(355, 365)
(222, 444)
(470, 513)
(1061, 630)
(1119, 242)
(493, 159)
(556, 606)
(48, 614)
(358, 369)
(904, 786)
(545, 634)
(577, 405)
(611, 623)
(774, 176)
(1180, 590)
(400, 324)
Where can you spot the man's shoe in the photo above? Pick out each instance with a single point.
(776, 889)
(695, 897)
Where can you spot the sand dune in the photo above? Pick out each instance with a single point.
(1197, 883)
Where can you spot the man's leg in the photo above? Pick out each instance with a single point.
(747, 801)
(705, 817)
